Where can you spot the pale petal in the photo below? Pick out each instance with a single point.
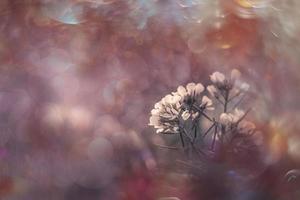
(194, 115)
(199, 88)
(181, 91)
(237, 114)
(245, 87)
(155, 112)
(225, 118)
(158, 105)
(190, 88)
(160, 130)
(235, 74)
(154, 120)
(206, 101)
(217, 77)
(210, 108)
(176, 98)
(212, 90)
(168, 99)
(185, 115)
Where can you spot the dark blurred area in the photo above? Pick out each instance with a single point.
(78, 79)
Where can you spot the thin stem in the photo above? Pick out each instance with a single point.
(192, 143)
(243, 116)
(195, 132)
(214, 138)
(226, 100)
(219, 100)
(223, 127)
(236, 95)
(208, 130)
(195, 126)
(239, 102)
(181, 138)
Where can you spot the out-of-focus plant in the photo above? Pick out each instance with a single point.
(208, 127)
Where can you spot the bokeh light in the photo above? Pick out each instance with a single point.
(78, 79)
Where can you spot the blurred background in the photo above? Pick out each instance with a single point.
(78, 79)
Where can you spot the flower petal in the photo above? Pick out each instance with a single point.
(181, 91)
(206, 101)
(217, 77)
(235, 74)
(199, 88)
(212, 90)
(225, 118)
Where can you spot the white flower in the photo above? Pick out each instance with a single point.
(244, 87)
(186, 115)
(220, 81)
(231, 118)
(191, 90)
(212, 90)
(207, 103)
(178, 106)
(165, 113)
(217, 78)
(223, 85)
(226, 118)
(194, 89)
(237, 115)
(181, 91)
(189, 95)
(235, 75)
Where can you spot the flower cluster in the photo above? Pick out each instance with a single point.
(232, 128)
(228, 88)
(170, 113)
(183, 110)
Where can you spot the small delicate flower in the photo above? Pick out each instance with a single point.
(207, 103)
(217, 78)
(194, 89)
(235, 74)
(231, 118)
(212, 90)
(237, 115)
(186, 115)
(165, 113)
(178, 106)
(190, 94)
(226, 118)
(181, 91)
(244, 87)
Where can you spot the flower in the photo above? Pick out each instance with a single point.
(212, 90)
(221, 82)
(207, 103)
(164, 116)
(217, 78)
(228, 87)
(189, 94)
(234, 75)
(231, 118)
(225, 118)
(191, 90)
(178, 107)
